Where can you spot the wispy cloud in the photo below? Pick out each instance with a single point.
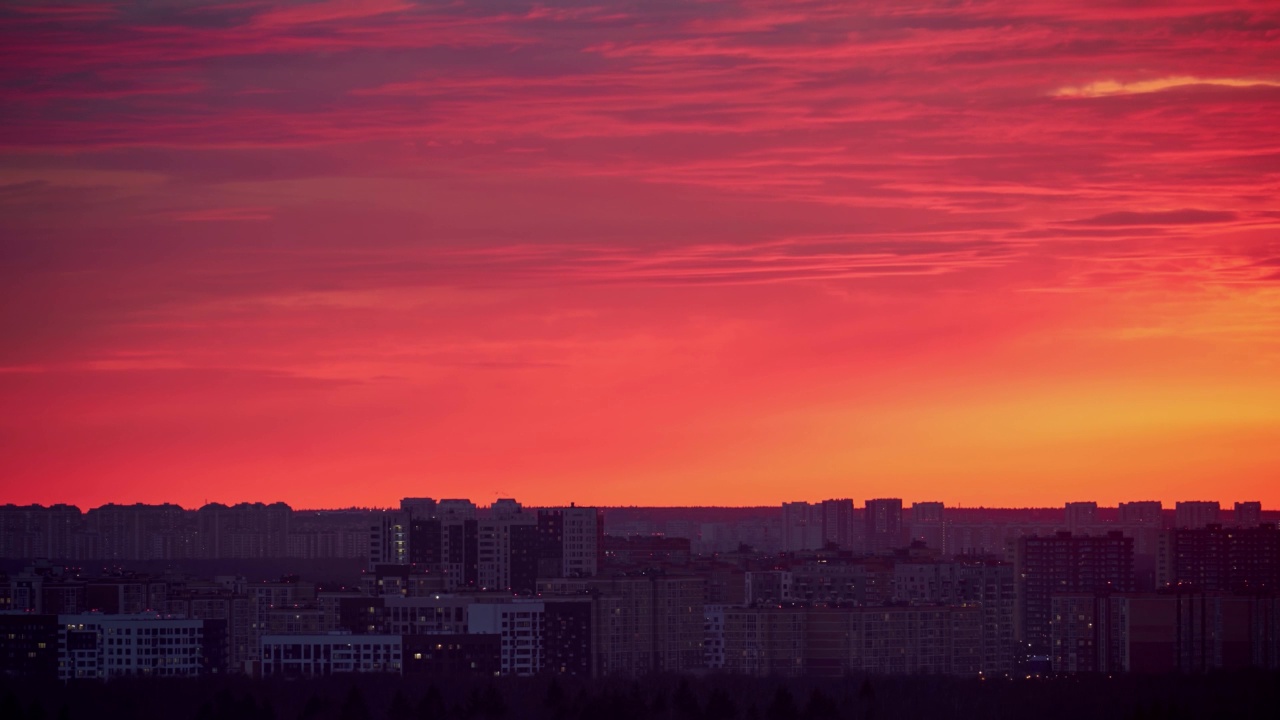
(1104, 88)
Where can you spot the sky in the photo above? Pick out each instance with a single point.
(653, 252)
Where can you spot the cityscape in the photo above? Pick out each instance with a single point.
(639, 360)
(444, 587)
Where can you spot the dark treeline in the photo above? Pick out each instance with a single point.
(1228, 695)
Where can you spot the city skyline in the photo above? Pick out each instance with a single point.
(335, 253)
(486, 502)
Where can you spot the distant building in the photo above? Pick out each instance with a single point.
(389, 539)
(324, 654)
(1248, 514)
(1163, 633)
(1147, 512)
(104, 647)
(434, 656)
(1213, 557)
(801, 527)
(1195, 514)
(884, 529)
(1081, 516)
(927, 525)
(835, 642)
(29, 645)
(1066, 563)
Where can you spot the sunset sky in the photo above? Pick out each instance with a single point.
(655, 252)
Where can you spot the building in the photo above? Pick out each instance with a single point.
(334, 653)
(570, 542)
(1213, 557)
(519, 627)
(801, 527)
(506, 552)
(103, 647)
(432, 656)
(1195, 514)
(837, 523)
(28, 645)
(1066, 564)
(389, 539)
(1081, 517)
(834, 642)
(928, 525)
(1167, 632)
(641, 622)
(1146, 512)
(884, 529)
(1248, 514)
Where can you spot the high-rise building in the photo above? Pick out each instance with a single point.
(884, 524)
(389, 539)
(1248, 514)
(1146, 512)
(927, 526)
(837, 522)
(1066, 563)
(813, 526)
(1195, 513)
(801, 527)
(418, 508)
(505, 557)
(570, 542)
(1213, 558)
(1080, 517)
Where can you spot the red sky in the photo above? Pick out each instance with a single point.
(651, 252)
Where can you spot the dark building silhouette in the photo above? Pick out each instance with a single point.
(1248, 514)
(884, 524)
(1195, 514)
(1213, 557)
(1148, 512)
(28, 645)
(1066, 564)
(452, 655)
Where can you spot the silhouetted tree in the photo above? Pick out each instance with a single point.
(554, 700)
(400, 708)
(354, 707)
(720, 706)
(491, 705)
(10, 706)
(314, 708)
(431, 706)
(821, 707)
(782, 707)
(684, 702)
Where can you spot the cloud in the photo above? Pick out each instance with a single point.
(1182, 216)
(224, 214)
(1105, 88)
